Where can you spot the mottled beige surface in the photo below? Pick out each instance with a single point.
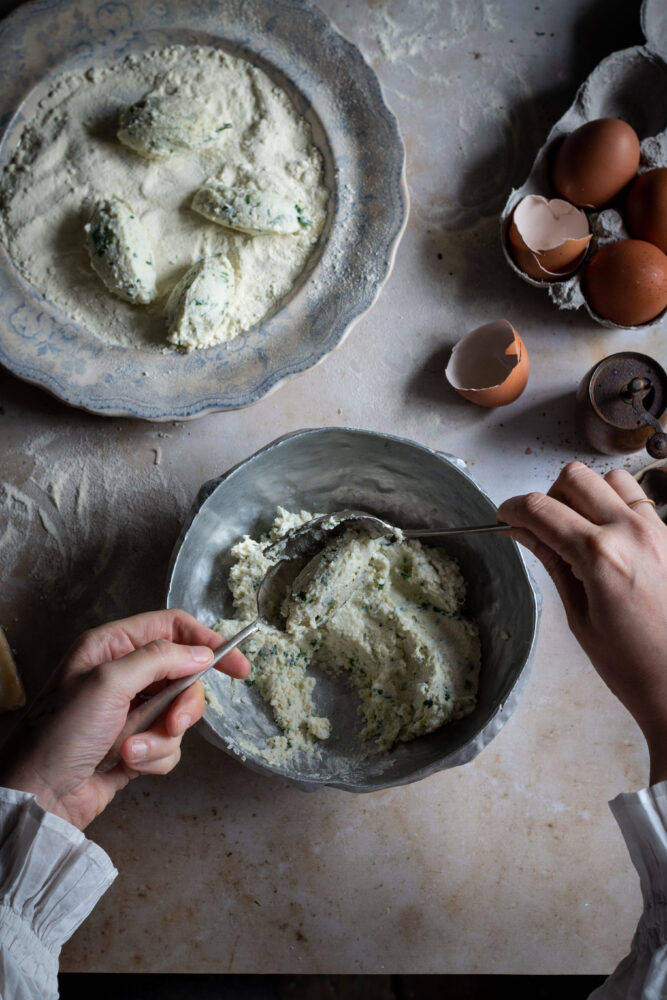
(512, 864)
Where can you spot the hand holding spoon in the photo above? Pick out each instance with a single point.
(271, 593)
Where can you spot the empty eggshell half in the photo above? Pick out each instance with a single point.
(490, 365)
(548, 237)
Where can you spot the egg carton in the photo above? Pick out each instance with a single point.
(628, 84)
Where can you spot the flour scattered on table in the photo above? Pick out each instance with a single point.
(151, 131)
(384, 614)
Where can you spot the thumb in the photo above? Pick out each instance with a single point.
(158, 660)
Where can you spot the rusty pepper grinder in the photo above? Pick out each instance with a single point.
(620, 402)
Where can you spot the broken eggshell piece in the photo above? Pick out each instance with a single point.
(490, 365)
(548, 239)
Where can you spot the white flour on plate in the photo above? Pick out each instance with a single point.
(69, 156)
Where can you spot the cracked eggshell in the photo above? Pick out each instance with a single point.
(548, 238)
(624, 85)
(489, 366)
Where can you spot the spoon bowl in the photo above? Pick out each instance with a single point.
(308, 538)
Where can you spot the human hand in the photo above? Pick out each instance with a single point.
(608, 561)
(99, 680)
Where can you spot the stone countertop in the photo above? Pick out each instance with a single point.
(511, 864)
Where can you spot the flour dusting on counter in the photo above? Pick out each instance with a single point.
(390, 624)
(88, 526)
(70, 157)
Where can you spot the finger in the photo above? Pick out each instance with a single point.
(524, 537)
(144, 750)
(116, 639)
(553, 523)
(169, 623)
(157, 661)
(569, 588)
(185, 710)
(153, 765)
(631, 493)
(234, 663)
(585, 491)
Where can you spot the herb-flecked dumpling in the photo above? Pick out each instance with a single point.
(328, 580)
(199, 302)
(120, 252)
(160, 126)
(253, 212)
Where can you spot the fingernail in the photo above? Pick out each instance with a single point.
(138, 750)
(201, 654)
(184, 721)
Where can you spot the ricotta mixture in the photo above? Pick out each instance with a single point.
(120, 252)
(382, 613)
(190, 118)
(198, 302)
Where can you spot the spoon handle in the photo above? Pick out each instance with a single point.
(145, 714)
(437, 533)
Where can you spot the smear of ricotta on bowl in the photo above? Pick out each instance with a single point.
(384, 614)
(69, 157)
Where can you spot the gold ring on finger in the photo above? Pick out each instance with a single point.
(633, 503)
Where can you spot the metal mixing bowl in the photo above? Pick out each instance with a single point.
(329, 469)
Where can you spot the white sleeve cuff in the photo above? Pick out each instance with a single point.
(642, 817)
(51, 876)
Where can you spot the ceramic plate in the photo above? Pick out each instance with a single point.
(331, 86)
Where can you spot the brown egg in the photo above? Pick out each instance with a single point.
(548, 238)
(646, 207)
(595, 162)
(626, 282)
(490, 365)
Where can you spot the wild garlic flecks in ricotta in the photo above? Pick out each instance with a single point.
(384, 614)
(328, 581)
(120, 252)
(159, 126)
(249, 211)
(199, 302)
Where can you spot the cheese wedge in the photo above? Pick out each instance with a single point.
(12, 694)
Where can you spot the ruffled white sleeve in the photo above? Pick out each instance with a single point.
(642, 817)
(51, 876)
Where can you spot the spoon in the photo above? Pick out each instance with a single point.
(272, 591)
(292, 550)
(306, 539)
